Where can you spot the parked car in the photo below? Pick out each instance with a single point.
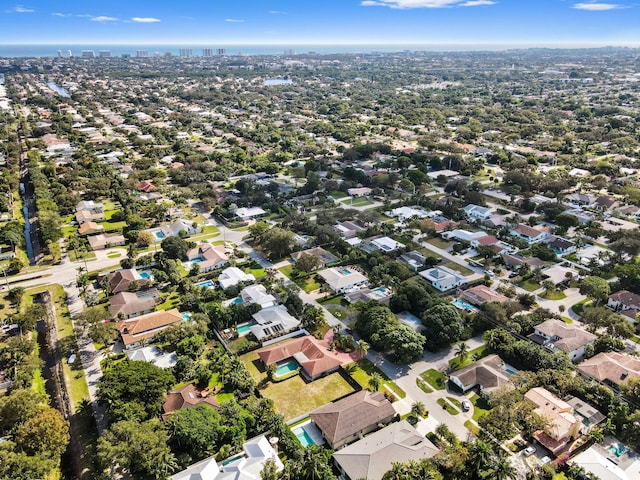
(489, 272)
(543, 461)
(530, 450)
(466, 405)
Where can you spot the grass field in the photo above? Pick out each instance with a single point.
(529, 286)
(447, 406)
(472, 356)
(480, 406)
(307, 283)
(440, 243)
(553, 295)
(434, 378)
(459, 268)
(364, 371)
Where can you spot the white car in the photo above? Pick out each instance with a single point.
(466, 405)
(530, 450)
(543, 461)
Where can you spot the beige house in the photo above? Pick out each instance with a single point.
(558, 336)
(136, 331)
(487, 373)
(613, 368)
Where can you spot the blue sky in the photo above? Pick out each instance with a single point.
(218, 22)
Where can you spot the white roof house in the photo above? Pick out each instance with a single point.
(232, 276)
(273, 322)
(257, 294)
(155, 355)
(406, 213)
(244, 467)
(443, 278)
(463, 235)
(476, 212)
(343, 279)
(596, 460)
(245, 213)
(387, 244)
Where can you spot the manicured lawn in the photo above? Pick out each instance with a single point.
(459, 268)
(440, 243)
(170, 301)
(434, 378)
(357, 202)
(338, 195)
(88, 256)
(554, 295)
(450, 410)
(423, 386)
(471, 357)
(113, 226)
(337, 312)
(110, 213)
(286, 270)
(566, 320)
(529, 285)
(257, 272)
(456, 402)
(480, 406)
(579, 307)
(364, 371)
(333, 300)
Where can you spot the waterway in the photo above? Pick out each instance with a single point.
(59, 90)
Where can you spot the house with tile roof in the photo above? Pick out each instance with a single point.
(344, 421)
(188, 396)
(558, 336)
(612, 368)
(314, 360)
(529, 234)
(626, 303)
(488, 373)
(88, 228)
(207, 257)
(232, 276)
(443, 278)
(101, 241)
(325, 257)
(481, 294)
(134, 332)
(120, 280)
(273, 322)
(373, 456)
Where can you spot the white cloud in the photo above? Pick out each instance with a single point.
(103, 18)
(596, 7)
(233, 20)
(277, 12)
(79, 15)
(20, 9)
(425, 3)
(145, 20)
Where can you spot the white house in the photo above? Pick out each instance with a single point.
(244, 213)
(556, 336)
(462, 235)
(476, 212)
(407, 213)
(207, 257)
(359, 192)
(232, 276)
(443, 278)
(257, 294)
(387, 244)
(273, 321)
(529, 234)
(343, 279)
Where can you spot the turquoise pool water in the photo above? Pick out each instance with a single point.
(510, 370)
(617, 449)
(245, 327)
(205, 284)
(345, 271)
(287, 367)
(159, 235)
(146, 275)
(233, 459)
(185, 316)
(464, 305)
(236, 301)
(303, 437)
(196, 260)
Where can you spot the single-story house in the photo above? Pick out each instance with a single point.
(132, 304)
(583, 216)
(481, 294)
(560, 245)
(366, 294)
(605, 203)
(612, 368)
(386, 244)
(90, 206)
(88, 228)
(120, 280)
(529, 234)
(257, 294)
(443, 278)
(248, 466)
(325, 257)
(343, 279)
(407, 213)
(484, 241)
(477, 213)
(100, 242)
(597, 460)
(559, 274)
(359, 192)
(488, 373)
(145, 186)
(84, 216)
(153, 354)
(593, 252)
(372, 456)
(208, 257)
(348, 229)
(344, 421)
(579, 199)
(232, 276)
(146, 327)
(314, 360)
(516, 261)
(175, 229)
(414, 259)
(462, 235)
(272, 322)
(245, 213)
(557, 335)
(186, 397)
(563, 424)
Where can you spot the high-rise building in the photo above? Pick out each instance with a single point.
(104, 53)
(221, 51)
(59, 53)
(207, 52)
(186, 52)
(88, 54)
(289, 52)
(69, 53)
(142, 54)
(167, 55)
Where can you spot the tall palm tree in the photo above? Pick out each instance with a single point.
(502, 469)
(375, 380)
(481, 454)
(418, 408)
(461, 351)
(362, 348)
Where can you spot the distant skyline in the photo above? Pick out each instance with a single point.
(487, 22)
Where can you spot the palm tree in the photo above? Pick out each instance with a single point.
(502, 469)
(362, 348)
(418, 408)
(375, 380)
(350, 368)
(481, 454)
(461, 352)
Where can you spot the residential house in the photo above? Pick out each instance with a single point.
(462, 235)
(484, 241)
(516, 261)
(120, 281)
(488, 373)
(178, 228)
(414, 259)
(592, 253)
(272, 322)
(583, 216)
(145, 186)
(186, 397)
(386, 244)
(346, 420)
(154, 354)
(90, 206)
(579, 199)
(374, 455)
(443, 278)
(325, 257)
(605, 203)
(314, 360)
(558, 336)
(481, 294)
(248, 466)
(563, 426)
(626, 303)
(257, 294)
(132, 304)
(559, 274)
(408, 213)
(232, 276)
(245, 213)
(348, 229)
(100, 242)
(366, 294)
(476, 213)
(207, 257)
(88, 228)
(529, 234)
(343, 279)
(612, 368)
(359, 192)
(599, 461)
(560, 245)
(83, 216)
(137, 330)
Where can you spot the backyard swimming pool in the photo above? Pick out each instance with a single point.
(303, 437)
(205, 284)
(617, 449)
(245, 327)
(510, 370)
(185, 316)
(464, 305)
(145, 274)
(287, 367)
(159, 235)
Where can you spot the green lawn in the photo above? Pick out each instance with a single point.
(566, 320)
(114, 255)
(82, 255)
(440, 243)
(579, 307)
(459, 268)
(332, 300)
(481, 407)
(257, 272)
(337, 194)
(170, 301)
(308, 283)
(471, 357)
(450, 410)
(456, 402)
(357, 202)
(554, 295)
(529, 285)
(337, 312)
(286, 270)
(423, 385)
(364, 371)
(434, 378)
(113, 226)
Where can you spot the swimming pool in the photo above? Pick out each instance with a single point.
(617, 449)
(464, 305)
(159, 235)
(287, 367)
(303, 437)
(510, 370)
(345, 271)
(185, 316)
(233, 459)
(196, 260)
(236, 301)
(145, 274)
(205, 284)
(246, 327)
